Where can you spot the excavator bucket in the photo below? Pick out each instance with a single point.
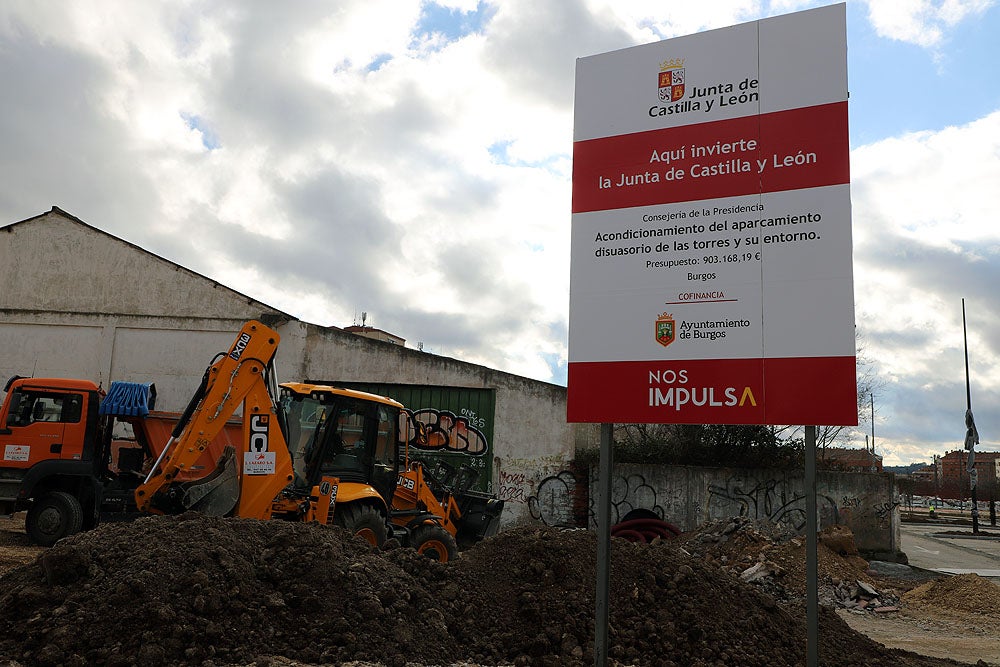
(480, 516)
(217, 493)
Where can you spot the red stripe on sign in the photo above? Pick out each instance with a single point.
(785, 150)
(803, 390)
(817, 391)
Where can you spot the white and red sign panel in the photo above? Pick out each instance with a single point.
(711, 277)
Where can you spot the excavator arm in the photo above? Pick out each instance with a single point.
(243, 483)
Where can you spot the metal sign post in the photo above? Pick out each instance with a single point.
(971, 433)
(812, 575)
(603, 546)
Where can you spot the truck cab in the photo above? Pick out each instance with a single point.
(51, 436)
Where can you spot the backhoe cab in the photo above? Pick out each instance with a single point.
(363, 440)
(351, 436)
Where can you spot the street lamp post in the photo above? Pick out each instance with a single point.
(971, 434)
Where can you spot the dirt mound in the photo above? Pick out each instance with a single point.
(187, 589)
(193, 590)
(966, 592)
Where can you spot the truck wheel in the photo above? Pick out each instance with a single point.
(434, 542)
(52, 517)
(363, 521)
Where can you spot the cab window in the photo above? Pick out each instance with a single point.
(385, 439)
(351, 427)
(29, 407)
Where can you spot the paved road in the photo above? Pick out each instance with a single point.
(926, 547)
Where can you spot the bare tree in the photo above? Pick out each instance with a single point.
(705, 445)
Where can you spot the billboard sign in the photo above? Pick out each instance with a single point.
(711, 271)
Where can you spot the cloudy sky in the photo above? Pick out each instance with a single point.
(412, 159)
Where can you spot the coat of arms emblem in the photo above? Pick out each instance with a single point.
(671, 80)
(666, 329)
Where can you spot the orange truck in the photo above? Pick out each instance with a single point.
(62, 463)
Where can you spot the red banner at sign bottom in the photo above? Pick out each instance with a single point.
(802, 390)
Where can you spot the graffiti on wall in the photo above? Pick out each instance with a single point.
(850, 501)
(629, 493)
(550, 500)
(562, 499)
(853, 508)
(554, 500)
(772, 500)
(884, 510)
(448, 432)
(513, 487)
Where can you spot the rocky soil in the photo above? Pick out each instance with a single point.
(193, 590)
(901, 607)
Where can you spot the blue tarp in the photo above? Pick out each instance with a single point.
(129, 399)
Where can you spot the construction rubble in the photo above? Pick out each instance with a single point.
(772, 558)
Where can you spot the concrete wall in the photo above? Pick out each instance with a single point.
(688, 497)
(77, 302)
(57, 264)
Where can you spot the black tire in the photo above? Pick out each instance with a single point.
(434, 542)
(52, 517)
(361, 520)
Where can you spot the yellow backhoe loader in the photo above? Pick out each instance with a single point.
(310, 453)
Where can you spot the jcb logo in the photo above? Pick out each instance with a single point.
(240, 345)
(328, 489)
(406, 483)
(258, 433)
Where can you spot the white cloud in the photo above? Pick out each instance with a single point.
(952, 167)
(352, 36)
(922, 22)
(649, 21)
